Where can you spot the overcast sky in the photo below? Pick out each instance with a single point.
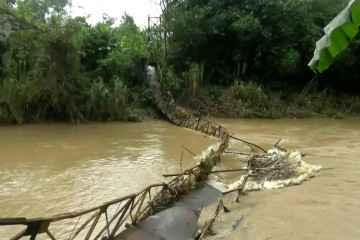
(138, 9)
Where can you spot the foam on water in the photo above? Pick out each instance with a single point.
(302, 171)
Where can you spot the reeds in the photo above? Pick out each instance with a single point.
(193, 78)
(108, 101)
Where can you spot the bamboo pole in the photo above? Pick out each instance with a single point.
(96, 220)
(118, 224)
(210, 222)
(73, 236)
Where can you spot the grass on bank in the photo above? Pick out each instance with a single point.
(256, 101)
(23, 101)
(248, 99)
(31, 101)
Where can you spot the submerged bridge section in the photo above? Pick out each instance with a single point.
(163, 101)
(180, 220)
(161, 211)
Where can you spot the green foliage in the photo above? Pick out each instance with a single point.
(311, 102)
(197, 185)
(263, 40)
(255, 101)
(208, 163)
(172, 81)
(251, 100)
(338, 34)
(61, 68)
(119, 51)
(193, 78)
(55, 67)
(107, 102)
(17, 95)
(128, 57)
(353, 105)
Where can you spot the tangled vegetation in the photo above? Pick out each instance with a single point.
(55, 67)
(234, 58)
(251, 100)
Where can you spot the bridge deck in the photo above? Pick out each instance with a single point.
(178, 222)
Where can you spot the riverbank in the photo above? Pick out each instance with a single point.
(251, 100)
(117, 102)
(239, 101)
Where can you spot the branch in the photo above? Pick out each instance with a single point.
(248, 143)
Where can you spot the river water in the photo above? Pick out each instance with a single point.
(47, 169)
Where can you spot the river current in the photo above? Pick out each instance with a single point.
(48, 169)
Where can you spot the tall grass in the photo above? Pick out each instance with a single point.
(254, 100)
(249, 99)
(107, 101)
(193, 78)
(28, 101)
(353, 105)
(16, 97)
(312, 102)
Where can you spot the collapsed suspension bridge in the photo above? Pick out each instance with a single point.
(161, 211)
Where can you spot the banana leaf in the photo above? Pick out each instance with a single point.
(338, 35)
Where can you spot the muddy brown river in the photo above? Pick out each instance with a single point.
(47, 169)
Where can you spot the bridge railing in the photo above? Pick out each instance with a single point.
(164, 102)
(128, 211)
(107, 220)
(181, 118)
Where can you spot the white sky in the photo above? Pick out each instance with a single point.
(138, 9)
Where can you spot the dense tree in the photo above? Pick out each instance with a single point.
(270, 41)
(58, 67)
